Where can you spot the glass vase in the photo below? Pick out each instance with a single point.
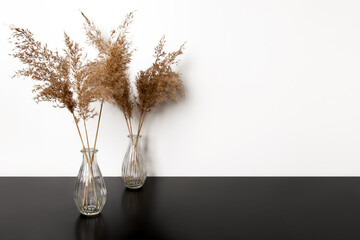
(89, 189)
(134, 167)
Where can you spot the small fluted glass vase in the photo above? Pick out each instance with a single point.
(89, 189)
(134, 167)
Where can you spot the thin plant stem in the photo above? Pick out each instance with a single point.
(136, 162)
(97, 130)
(87, 139)
(138, 132)
(142, 122)
(88, 145)
(129, 129)
(87, 189)
(87, 159)
(84, 196)
(142, 117)
(131, 133)
(82, 142)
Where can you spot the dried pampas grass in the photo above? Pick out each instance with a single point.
(159, 83)
(110, 68)
(64, 80)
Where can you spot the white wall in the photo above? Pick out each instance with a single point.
(273, 88)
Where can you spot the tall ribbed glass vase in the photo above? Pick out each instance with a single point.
(89, 189)
(134, 167)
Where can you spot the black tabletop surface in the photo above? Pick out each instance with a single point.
(185, 208)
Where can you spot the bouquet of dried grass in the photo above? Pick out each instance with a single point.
(159, 83)
(64, 80)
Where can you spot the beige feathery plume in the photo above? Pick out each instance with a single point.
(45, 66)
(63, 80)
(110, 70)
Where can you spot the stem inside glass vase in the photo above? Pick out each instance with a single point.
(90, 189)
(134, 168)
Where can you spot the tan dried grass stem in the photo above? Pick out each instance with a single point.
(87, 139)
(97, 130)
(128, 124)
(142, 118)
(87, 159)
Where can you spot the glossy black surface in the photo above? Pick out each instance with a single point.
(186, 208)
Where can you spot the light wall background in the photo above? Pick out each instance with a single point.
(272, 89)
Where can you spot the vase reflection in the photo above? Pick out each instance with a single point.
(138, 211)
(91, 228)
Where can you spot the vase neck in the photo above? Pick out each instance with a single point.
(89, 154)
(133, 138)
(87, 150)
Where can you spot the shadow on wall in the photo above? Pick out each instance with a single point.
(159, 112)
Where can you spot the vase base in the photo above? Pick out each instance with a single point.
(133, 187)
(90, 210)
(133, 184)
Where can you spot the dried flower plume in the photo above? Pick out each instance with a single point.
(63, 80)
(110, 69)
(45, 66)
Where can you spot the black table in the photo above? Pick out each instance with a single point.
(185, 208)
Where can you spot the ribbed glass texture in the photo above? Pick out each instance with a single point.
(134, 167)
(89, 189)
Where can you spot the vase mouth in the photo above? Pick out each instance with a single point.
(132, 136)
(87, 150)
